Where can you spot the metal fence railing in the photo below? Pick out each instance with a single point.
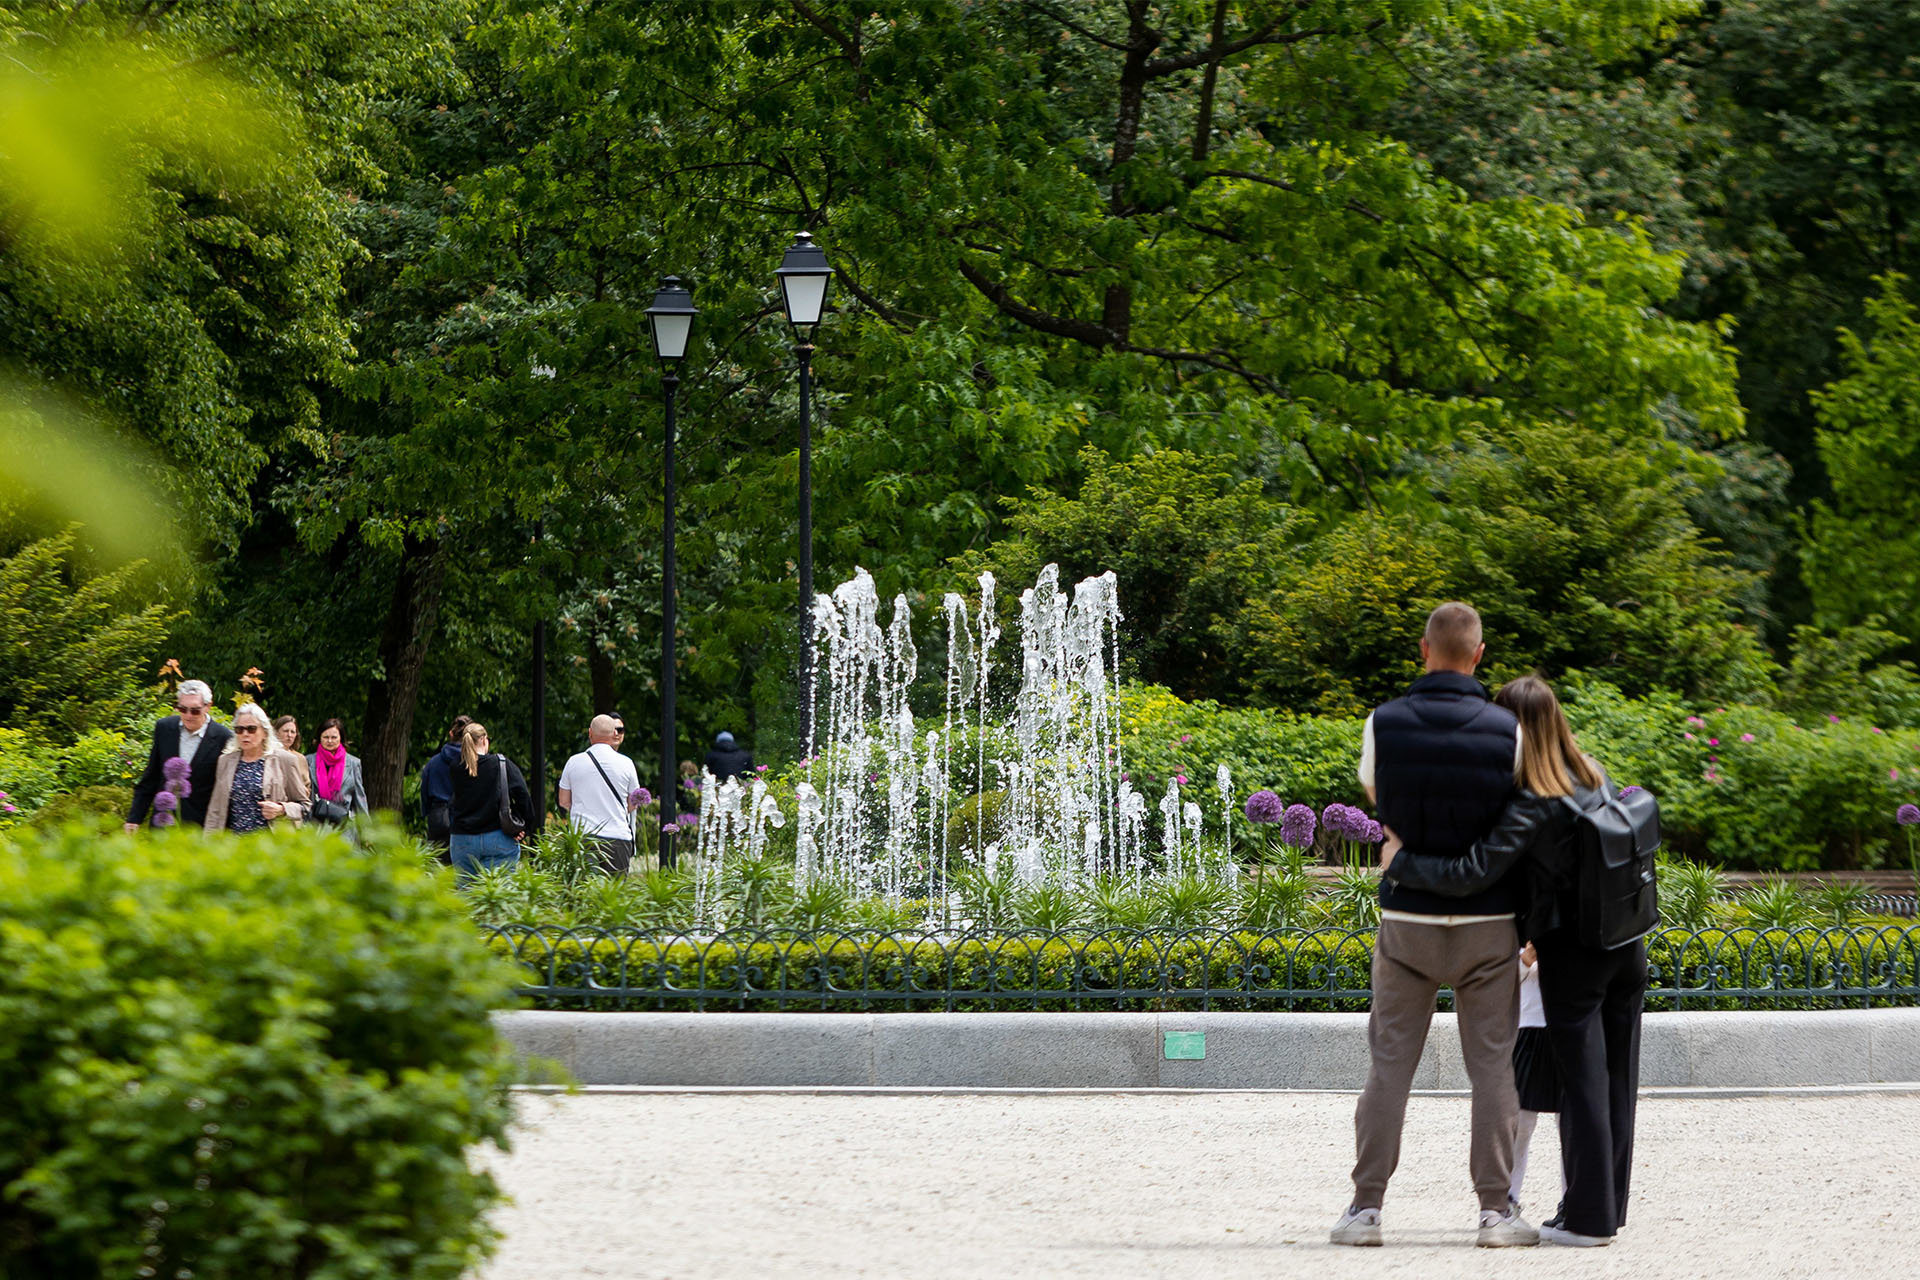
(1130, 969)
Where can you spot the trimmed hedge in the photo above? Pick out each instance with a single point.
(241, 1057)
(1312, 970)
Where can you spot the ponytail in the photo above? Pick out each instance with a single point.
(470, 739)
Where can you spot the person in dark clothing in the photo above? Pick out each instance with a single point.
(1592, 997)
(436, 786)
(191, 735)
(728, 760)
(480, 839)
(1439, 761)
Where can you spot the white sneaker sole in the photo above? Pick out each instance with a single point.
(1572, 1239)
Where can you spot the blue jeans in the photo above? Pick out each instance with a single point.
(472, 854)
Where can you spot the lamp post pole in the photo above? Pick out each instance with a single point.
(804, 350)
(669, 767)
(804, 277)
(670, 320)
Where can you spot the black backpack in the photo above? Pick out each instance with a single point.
(1614, 843)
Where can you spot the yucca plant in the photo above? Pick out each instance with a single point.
(987, 897)
(1777, 904)
(1353, 900)
(1118, 903)
(821, 904)
(1050, 907)
(755, 882)
(665, 898)
(1275, 900)
(1692, 894)
(1190, 902)
(885, 915)
(494, 896)
(1840, 901)
(611, 902)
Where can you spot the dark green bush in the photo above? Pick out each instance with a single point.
(94, 806)
(1222, 969)
(241, 1058)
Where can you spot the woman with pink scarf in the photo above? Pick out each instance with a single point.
(339, 788)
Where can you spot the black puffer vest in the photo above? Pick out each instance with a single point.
(1443, 771)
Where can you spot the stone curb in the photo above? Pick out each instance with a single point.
(1743, 1049)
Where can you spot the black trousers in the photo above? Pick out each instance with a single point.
(1593, 1000)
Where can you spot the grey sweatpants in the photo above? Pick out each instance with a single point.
(1411, 962)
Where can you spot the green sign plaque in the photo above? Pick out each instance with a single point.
(1185, 1045)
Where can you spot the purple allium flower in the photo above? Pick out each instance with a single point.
(688, 821)
(671, 829)
(165, 802)
(640, 797)
(1375, 832)
(1907, 815)
(1264, 806)
(1334, 819)
(174, 770)
(1630, 791)
(1296, 826)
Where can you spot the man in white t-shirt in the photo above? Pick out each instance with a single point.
(595, 790)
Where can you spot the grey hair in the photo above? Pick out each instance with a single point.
(253, 711)
(195, 689)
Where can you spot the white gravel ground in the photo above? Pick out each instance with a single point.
(709, 1186)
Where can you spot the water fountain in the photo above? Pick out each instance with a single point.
(1048, 787)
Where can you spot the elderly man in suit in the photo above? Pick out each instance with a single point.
(191, 735)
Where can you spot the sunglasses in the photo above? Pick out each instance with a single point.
(189, 711)
(619, 728)
(249, 728)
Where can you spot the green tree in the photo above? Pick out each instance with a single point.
(1862, 548)
(72, 646)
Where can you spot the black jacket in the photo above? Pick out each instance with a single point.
(476, 798)
(436, 779)
(729, 764)
(1534, 837)
(1443, 772)
(166, 745)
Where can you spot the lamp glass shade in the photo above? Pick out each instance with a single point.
(806, 298)
(670, 334)
(804, 277)
(670, 319)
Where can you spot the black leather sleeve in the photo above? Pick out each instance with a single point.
(1486, 864)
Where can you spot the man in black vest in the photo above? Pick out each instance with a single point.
(191, 735)
(1439, 764)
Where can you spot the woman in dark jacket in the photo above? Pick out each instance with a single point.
(480, 838)
(1592, 997)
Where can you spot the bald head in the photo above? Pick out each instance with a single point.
(1452, 641)
(600, 729)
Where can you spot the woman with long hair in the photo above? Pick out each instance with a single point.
(338, 779)
(256, 781)
(1592, 997)
(491, 805)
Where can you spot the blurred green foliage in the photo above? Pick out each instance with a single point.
(242, 1057)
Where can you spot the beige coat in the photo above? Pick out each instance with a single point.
(285, 781)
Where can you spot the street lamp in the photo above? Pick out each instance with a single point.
(804, 276)
(670, 320)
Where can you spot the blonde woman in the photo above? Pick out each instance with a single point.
(256, 782)
(489, 815)
(1591, 997)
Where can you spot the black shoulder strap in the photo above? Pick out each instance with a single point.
(619, 800)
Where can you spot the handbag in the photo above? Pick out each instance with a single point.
(330, 811)
(510, 822)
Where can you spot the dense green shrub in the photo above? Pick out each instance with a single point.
(1119, 969)
(241, 1058)
(34, 770)
(93, 806)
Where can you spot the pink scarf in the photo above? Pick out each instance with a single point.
(330, 770)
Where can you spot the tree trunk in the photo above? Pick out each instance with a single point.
(394, 696)
(600, 671)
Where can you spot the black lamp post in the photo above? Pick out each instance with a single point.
(804, 276)
(670, 319)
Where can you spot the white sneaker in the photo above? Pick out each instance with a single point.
(1357, 1226)
(1572, 1239)
(1505, 1230)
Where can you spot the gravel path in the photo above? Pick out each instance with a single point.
(761, 1186)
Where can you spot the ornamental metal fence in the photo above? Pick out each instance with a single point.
(1210, 968)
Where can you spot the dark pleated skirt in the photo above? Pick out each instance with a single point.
(1535, 1073)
